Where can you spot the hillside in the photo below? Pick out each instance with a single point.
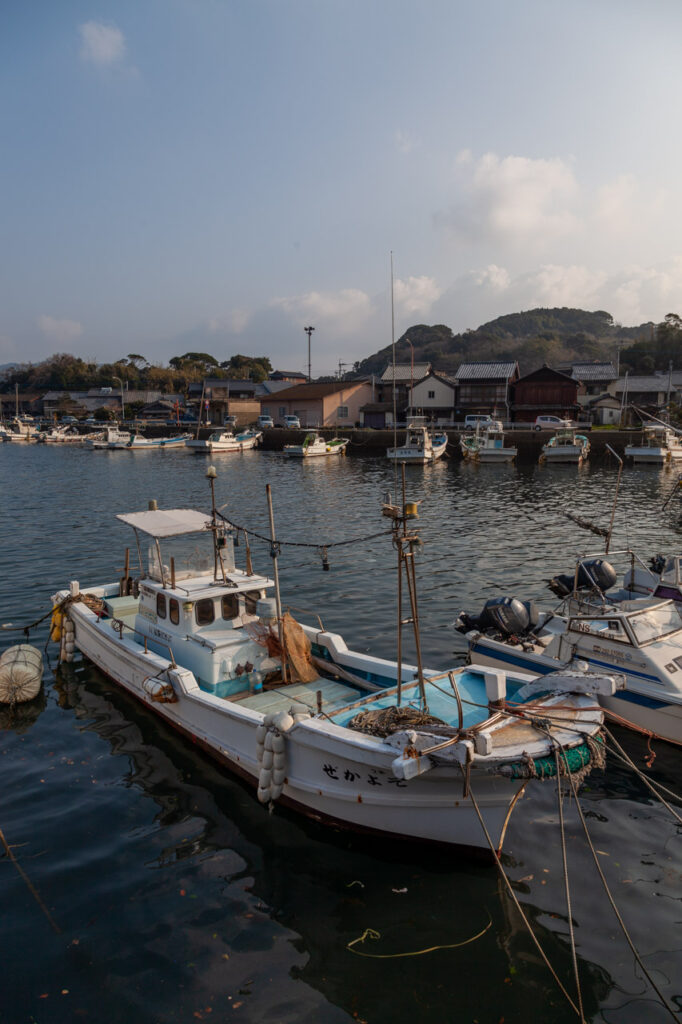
(533, 337)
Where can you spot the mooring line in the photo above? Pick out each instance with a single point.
(27, 880)
(515, 900)
(611, 900)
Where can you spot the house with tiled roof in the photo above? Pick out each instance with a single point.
(545, 392)
(485, 388)
(594, 379)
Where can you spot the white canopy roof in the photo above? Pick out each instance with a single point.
(171, 522)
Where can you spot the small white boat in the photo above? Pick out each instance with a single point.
(486, 444)
(329, 732)
(612, 632)
(659, 445)
(140, 443)
(226, 441)
(61, 435)
(420, 445)
(19, 430)
(315, 444)
(566, 446)
(110, 437)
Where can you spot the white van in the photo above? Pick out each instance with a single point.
(477, 420)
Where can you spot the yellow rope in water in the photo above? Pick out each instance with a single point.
(370, 933)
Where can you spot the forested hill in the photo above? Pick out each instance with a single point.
(534, 337)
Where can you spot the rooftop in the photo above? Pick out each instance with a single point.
(593, 371)
(486, 371)
(406, 371)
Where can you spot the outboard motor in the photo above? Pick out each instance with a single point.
(595, 572)
(657, 564)
(506, 615)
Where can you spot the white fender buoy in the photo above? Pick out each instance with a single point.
(21, 673)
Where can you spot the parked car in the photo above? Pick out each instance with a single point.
(68, 419)
(264, 422)
(477, 420)
(90, 419)
(550, 423)
(292, 422)
(230, 421)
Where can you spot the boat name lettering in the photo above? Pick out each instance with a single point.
(147, 591)
(147, 613)
(161, 635)
(373, 778)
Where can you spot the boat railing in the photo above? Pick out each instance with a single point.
(120, 625)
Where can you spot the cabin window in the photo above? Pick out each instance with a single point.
(174, 611)
(251, 598)
(229, 606)
(342, 412)
(610, 629)
(161, 606)
(205, 612)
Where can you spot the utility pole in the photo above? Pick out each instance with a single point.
(309, 331)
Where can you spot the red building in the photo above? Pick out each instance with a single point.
(545, 392)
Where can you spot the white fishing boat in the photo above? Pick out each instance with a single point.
(314, 444)
(139, 443)
(566, 446)
(659, 445)
(19, 430)
(604, 632)
(340, 736)
(110, 437)
(61, 435)
(421, 445)
(487, 444)
(226, 441)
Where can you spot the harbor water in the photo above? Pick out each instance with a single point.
(144, 884)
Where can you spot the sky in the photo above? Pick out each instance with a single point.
(216, 175)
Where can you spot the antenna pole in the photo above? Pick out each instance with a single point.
(615, 498)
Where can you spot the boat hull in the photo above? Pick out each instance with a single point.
(642, 705)
(333, 775)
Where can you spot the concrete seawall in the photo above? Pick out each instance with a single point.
(375, 442)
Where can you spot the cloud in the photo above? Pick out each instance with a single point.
(404, 142)
(416, 294)
(345, 311)
(103, 45)
(234, 323)
(513, 198)
(59, 330)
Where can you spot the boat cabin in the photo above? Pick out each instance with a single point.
(191, 600)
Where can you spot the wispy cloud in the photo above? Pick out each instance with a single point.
(346, 311)
(101, 44)
(512, 198)
(416, 294)
(59, 330)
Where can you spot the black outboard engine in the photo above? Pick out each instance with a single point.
(595, 572)
(657, 564)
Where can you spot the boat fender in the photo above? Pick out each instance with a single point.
(267, 759)
(277, 743)
(263, 795)
(261, 732)
(278, 760)
(276, 792)
(278, 776)
(283, 721)
(268, 741)
(21, 674)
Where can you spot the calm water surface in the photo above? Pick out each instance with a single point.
(178, 898)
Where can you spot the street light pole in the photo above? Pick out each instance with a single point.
(123, 408)
(309, 331)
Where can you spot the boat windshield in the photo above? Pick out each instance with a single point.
(655, 623)
(192, 555)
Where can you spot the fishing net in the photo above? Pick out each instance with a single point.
(296, 646)
(385, 721)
